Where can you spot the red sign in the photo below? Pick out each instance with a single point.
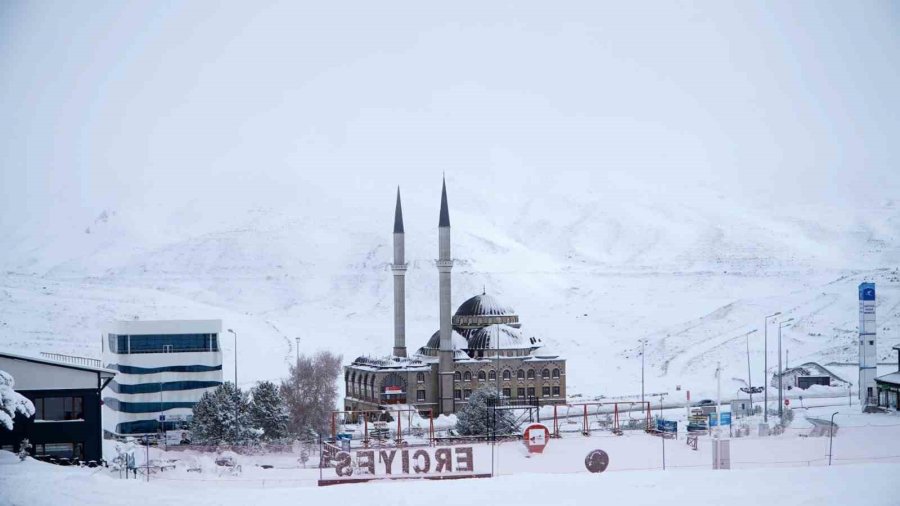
(393, 390)
(787, 402)
(536, 437)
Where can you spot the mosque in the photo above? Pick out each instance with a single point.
(481, 344)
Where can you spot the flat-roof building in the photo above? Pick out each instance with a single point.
(164, 367)
(65, 391)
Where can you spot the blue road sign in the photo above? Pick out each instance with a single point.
(666, 425)
(726, 419)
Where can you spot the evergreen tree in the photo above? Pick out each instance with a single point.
(222, 417)
(475, 418)
(268, 411)
(12, 402)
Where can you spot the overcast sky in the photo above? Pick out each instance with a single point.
(106, 104)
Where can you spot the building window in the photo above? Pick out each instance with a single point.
(457, 376)
(482, 376)
(555, 391)
(492, 375)
(507, 392)
(59, 408)
(520, 393)
(545, 374)
(467, 376)
(60, 450)
(507, 375)
(871, 342)
(531, 374)
(545, 391)
(466, 393)
(163, 343)
(457, 394)
(530, 392)
(420, 377)
(520, 374)
(420, 395)
(555, 373)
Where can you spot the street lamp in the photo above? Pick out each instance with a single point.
(749, 380)
(235, 356)
(643, 342)
(766, 368)
(831, 437)
(237, 400)
(298, 349)
(781, 325)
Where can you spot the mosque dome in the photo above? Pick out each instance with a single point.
(481, 311)
(431, 348)
(502, 337)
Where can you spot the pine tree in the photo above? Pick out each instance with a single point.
(475, 418)
(12, 402)
(268, 411)
(222, 417)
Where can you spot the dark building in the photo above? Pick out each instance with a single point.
(66, 396)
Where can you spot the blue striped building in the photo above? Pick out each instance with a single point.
(164, 367)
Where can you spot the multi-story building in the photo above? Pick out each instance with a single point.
(482, 344)
(164, 367)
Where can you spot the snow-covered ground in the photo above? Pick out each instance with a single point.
(793, 468)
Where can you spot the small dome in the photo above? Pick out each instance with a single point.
(501, 337)
(457, 341)
(484, 305)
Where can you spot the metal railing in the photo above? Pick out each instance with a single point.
(70, 359)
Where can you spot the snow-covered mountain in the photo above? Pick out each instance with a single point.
(591, 270)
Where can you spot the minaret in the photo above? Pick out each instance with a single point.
(399, 268)
(444, 265)
(867, 340)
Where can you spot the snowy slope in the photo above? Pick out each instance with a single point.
(590, 269)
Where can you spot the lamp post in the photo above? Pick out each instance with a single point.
(237, 400)
(781, 325)
(831, 437)
(766, 368)
(297, 339)
(643, 342)
(749, 378)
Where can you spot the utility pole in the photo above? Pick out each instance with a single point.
(766, 368)
(643, 341)
(237, 396)
(781, 325)
(831, 438)
(298, 349)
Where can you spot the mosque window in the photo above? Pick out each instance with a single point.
(507, 375)
(545, 374)
(457, 394)
(457, 376)
(507, 392)
(531, 374)
(520, 374)
(555, 391)
(556, 373)
(467, 376)
(466, 393)
(482, 376)
(520, 393)
(420, 395)
(420, 377)
(545, 392)
(492, 375)
(530, 392)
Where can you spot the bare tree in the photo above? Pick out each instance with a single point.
(310, 392)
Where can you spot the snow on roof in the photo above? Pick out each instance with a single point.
(60, 363)
(484, 305)
(500, 336)
(893, 377)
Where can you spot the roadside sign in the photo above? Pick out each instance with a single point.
(726, 419)
(536, 437)
(666, 425)
(787, 402)
(597, 461)
(162, 418)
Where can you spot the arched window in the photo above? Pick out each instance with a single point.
(531, 374)
(467, 376)
(420, 377)
(556, 373)
(492, 375)
(545, 374)
(457, 376)
(507, 375)
(482, 376)
(520, 374)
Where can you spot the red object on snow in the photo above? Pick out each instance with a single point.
(536, 437)
(787, 402)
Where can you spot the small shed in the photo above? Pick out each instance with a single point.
(807, 375)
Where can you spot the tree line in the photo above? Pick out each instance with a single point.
(299, 407)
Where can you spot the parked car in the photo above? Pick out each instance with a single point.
(705, 402)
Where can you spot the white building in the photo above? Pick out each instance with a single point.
(164, 367)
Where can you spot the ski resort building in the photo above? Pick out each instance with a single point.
(164, 367)
(65, 390)
(481, 344)
(807, 375)
(889, 386)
